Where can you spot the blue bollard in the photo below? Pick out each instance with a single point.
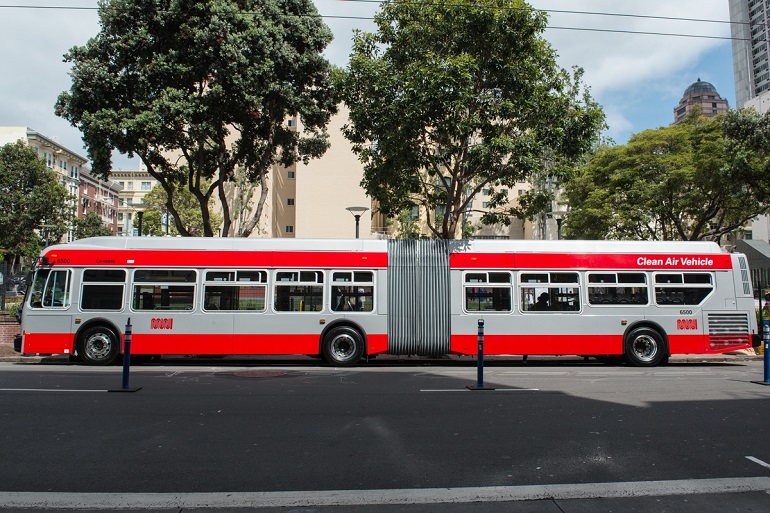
(766, 342)
(127, 354)
(480, 362)
(126, 360)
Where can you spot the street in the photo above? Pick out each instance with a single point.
(218, 436)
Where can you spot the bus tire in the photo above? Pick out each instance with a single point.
(644, 347)
(343, 346)
(99, 345)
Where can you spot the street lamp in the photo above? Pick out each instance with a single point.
(357, 211)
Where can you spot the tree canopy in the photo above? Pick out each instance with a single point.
(33, 204)
(186, 207)
(198, 90)
(447, 98)
(697, 180)
(90, 225)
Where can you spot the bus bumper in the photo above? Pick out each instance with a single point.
(17, 343)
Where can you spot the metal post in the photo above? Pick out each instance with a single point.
(127, 360)
(358, 217)
(480, 361)
(766, 345)
(127, 354)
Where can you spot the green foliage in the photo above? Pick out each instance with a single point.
(187, 208)
(198, 89)
(449, 98)
(690, 181)
(32, 202)
(90, 226)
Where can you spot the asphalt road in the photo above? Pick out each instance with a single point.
(397, 437)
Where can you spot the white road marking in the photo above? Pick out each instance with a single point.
(758, 461)
(468, 390)
(222, 500)
(47, 390)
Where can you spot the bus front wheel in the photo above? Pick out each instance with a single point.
(99, 345)
(644, 347)
(343, 346)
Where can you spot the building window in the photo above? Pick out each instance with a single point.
(290, 202)
(290, 174)
(146, 186)
(289, 229)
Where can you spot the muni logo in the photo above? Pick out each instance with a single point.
(161, 323)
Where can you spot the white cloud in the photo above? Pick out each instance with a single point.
(616, 61)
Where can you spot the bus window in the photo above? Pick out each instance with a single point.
(488, 292)
(352, 291)
(682, 288)
(102, 289)
(617, 289)
(51, 289)
(554, 292)
(160, 289)
(235, 290)
(298, 291)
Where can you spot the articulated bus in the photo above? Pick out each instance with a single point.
(344, 300)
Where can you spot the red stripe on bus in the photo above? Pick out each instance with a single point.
(634, 261)
(47, 343)
(242, 344)
(588, 344)
(170, 258)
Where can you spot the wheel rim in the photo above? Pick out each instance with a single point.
(645, 348)
(98, 346)
(343, 347)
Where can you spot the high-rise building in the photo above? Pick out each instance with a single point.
(702, 95)
(751, 48)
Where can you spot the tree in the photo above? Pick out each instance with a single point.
(681, 182)
(34, 206)
(90, 226)
(198, 89)
(449, 98)
(186, 207)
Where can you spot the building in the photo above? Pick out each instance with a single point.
(134, 185)
(70, 167)
(700, 95)
(100, 197)
(751, 53)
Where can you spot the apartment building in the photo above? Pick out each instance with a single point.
(71, 170)
(134, 185)
(100, 197)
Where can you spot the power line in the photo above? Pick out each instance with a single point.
(578, 29)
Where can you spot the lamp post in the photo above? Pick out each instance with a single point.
(357, 211)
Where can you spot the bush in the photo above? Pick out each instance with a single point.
(11, 305)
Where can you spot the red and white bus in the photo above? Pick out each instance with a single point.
(347, 299)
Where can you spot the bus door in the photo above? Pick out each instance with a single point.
(46, 322)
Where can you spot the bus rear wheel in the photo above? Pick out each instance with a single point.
(343, 346)
(99, 345)
(644, 347)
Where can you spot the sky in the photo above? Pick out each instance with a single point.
(637, 78)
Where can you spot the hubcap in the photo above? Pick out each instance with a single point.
(98, 346)
(343, 347)
(645, 348)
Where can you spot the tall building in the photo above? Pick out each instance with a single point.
(88, 193)
(704, 96)
(751, 50)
